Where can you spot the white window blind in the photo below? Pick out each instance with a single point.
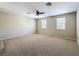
(43, 23)
(61, 23)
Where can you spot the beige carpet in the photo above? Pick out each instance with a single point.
(40, 45)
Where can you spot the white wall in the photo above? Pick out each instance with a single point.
(78, 27)
(12, 25)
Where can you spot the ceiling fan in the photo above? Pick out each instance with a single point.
(39, 13)
(36, 13)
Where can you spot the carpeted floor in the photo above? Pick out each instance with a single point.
(39, 45)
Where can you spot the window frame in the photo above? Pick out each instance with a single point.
(43, 23)
(61, 23)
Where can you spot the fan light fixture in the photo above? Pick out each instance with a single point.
(48, 4)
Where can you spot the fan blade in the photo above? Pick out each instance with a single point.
(42, 13)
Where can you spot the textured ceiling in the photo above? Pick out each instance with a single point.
(25, 7)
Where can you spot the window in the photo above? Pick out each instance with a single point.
(61, 23)
(43, 23)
